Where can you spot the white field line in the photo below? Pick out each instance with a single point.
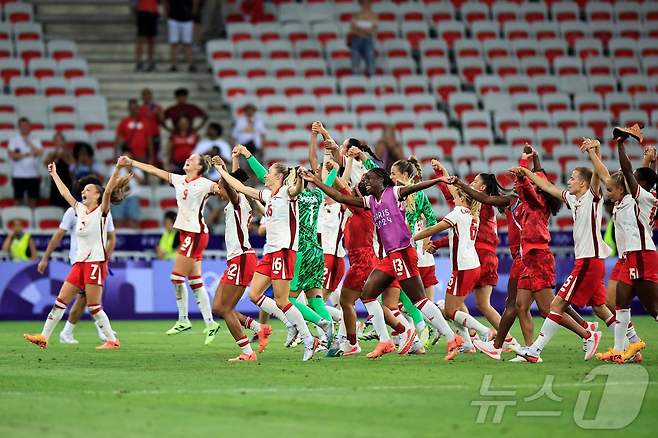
(293, 390)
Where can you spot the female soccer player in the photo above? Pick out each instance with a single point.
(277, 265)
(192, 191)
(240, 267)
(400, 262)
(634, 214)
(584, 286)
(419, 214)
(90, 268)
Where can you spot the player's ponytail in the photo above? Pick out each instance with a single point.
(121, 189)
(363, 147)
(471, 203)
(206, 163)
(386, 178)
(492, 187)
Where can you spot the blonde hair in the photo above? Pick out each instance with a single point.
(471, 203)
(411, 167)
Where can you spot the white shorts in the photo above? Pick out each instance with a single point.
(180, 31)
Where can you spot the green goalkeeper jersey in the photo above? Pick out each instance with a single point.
(309, 203)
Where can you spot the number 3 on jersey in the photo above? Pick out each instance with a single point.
(398, 266)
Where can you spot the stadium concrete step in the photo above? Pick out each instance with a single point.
(104, 31)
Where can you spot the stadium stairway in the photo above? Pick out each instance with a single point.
(104, 31)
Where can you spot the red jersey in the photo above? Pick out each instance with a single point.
(148, 6)
(136, 132)
(359, 228)
(182, 146)
(536, 214)
(514, 213)
(150, 112)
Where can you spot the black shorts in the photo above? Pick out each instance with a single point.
(147, 24)
(22, 186)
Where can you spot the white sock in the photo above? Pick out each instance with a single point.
(421, 326)
(181, 296)
(375, 311)
(623, 317)
(68, 328)
(334, 297)
(96, 311)
(336, 314)
(400, 317)
(54, 317)
(245, 345)
(302, 299)
(631, 334)
(252, 324)
(463, 332)
(547, 331)
(202, 299)
(268, 305)
(432, 313)
(467, 320)
(342, 330)
(99, 332)
(293, 315)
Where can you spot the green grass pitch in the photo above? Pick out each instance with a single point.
(160, 386)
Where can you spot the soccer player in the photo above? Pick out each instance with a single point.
(634, 215)
(585, 285)
(401, 260)
(192, 191)
(68, 224)
(240, 267)
(277, 265)
(419, 214)
(90, 267)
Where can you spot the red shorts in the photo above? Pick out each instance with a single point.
(192, 244)
(428, 276)
(402, 264)
(618, 272)
(334, 269)
(516, 269)
(278, 265)
(488, 268)
(641, 265)
(83, 273)
(463, 282)
(584, 286)
(362, 260)
(538, 270)
(240, 270)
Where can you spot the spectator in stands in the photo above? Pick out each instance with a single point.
(181, 144)
(183, 108)
(63, 159)
(169, 241)
(24, 150)
(127, 213)
(361, 38)
(152, 112)
(19, 243)
(388, 148)
(83, 162)
(249, 130)
(180, 15)
(135, 133)
(213, 144)
(147, 29)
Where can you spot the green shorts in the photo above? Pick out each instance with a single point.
(309, 269)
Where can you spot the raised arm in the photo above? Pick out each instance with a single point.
(354, 201)
(107, 194)
(233, 182)
(408, 190)
(235, 159)
(299, 184)
(447, 191)
(626, 167)
(526, 191)
(496, 201)
(63, 190)
(313, 146)
(594, 155)
(148, 168)
(259, 170)
(544, 184)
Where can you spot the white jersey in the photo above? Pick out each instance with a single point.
(68, 224)
(91, 233)
(358, 169)
(425, 259)
(191, 197)
(237, 221)
(587, 213)
(281, 223)
(634, 216)
(331, 225)
(462, 233)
